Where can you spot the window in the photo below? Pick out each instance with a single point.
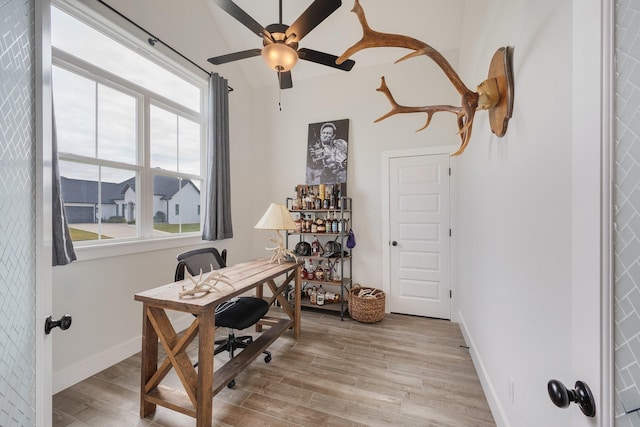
(130, 131)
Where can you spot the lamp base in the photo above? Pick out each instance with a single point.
(281, 255)
(280, 252)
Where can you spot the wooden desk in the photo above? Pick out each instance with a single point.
(202, 385)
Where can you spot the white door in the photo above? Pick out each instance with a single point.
(419, 235)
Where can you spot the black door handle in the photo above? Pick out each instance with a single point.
(561, 397)
(394, 243)
(64, 323)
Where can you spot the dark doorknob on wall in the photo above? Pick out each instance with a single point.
(562, 397)
(394, 243)
(64, 323)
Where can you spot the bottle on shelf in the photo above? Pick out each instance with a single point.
(296, 199)
(332, 201)
(319, 273)
(327, 272)
(315, 247)
(314, 295)
(320, 296)
(310, 203)
(311, 271)
(336, 275)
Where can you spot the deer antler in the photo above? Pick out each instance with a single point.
(371, 38)
(470, 99)
(464, 115)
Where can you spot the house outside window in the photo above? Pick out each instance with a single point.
(130, 132)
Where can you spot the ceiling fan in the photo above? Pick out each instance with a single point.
(280, 42)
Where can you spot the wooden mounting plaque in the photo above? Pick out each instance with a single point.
(501, 69)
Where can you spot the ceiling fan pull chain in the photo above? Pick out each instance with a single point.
(280, 90)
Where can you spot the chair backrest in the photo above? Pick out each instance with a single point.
(199, 260)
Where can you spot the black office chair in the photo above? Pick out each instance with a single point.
(238, 313)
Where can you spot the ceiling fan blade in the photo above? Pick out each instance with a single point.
(310, 18)
(229, 57)
(285, 80)
(243, 17)
(324, 59)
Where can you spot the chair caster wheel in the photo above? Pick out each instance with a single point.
(267, 358)
(231, 384)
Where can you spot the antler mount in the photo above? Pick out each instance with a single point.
(495, 94)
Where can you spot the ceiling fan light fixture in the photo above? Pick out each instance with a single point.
(279, 56)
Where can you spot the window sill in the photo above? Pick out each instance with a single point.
(106, 250)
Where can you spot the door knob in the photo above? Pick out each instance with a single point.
(64, 323)
(394, 243)
(561, 397)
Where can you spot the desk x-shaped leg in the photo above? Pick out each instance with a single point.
(198, 385)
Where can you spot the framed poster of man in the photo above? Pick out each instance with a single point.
(327, 152)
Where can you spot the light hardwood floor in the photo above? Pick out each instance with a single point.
(402, 371)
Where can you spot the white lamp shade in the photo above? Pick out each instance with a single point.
(277, 217)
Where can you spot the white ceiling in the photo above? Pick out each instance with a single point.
(199, 30)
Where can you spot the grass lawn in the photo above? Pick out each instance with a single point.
(78, 235)
(175, 228)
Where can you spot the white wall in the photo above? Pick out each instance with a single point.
(516, 214)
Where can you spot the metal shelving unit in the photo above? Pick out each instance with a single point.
(341, 264)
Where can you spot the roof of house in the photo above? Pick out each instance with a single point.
(85, 191)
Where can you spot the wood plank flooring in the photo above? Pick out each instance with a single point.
(402, 371)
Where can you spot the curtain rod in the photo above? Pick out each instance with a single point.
(152, 40)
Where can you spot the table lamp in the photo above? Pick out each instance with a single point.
(278, 218)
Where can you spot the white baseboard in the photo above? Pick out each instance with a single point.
(487, 386)
(71, 375)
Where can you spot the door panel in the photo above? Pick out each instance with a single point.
(419, 224)
(18, 342)
(43, 208)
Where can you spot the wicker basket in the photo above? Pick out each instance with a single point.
(366, 304)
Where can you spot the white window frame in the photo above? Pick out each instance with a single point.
(109, 23)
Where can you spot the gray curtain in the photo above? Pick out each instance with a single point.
(63, 252)
(217, 212)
